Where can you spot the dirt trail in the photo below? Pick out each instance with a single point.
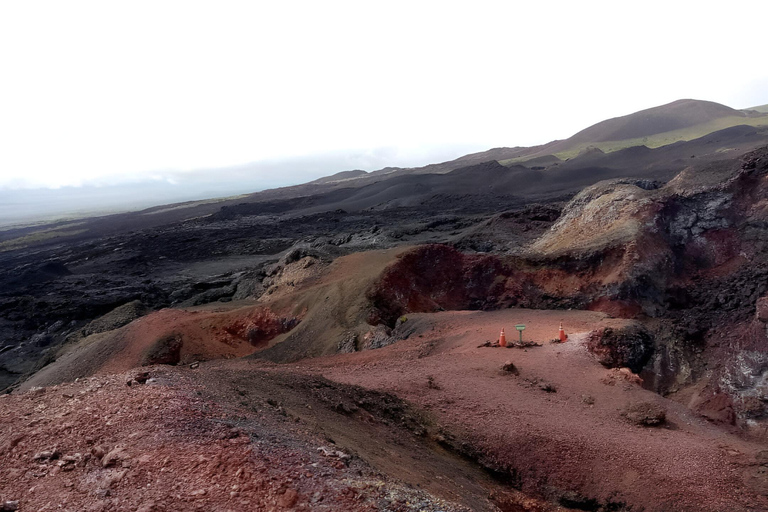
(556, 429)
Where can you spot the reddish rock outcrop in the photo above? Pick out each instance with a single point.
(433, 278)
(629, 347)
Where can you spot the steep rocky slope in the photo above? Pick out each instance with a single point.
(687, 258)
(260, 439)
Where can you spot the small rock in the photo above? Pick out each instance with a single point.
(195, 365)
(47, 455)
(509, 367)
(99, 451)
(10, 505)
(621, 374)
(68, 462)
(289, 498)
(549, 388)
(330, 452)
(647, 414)
(325, 450)
(199, 492)
(117, 455)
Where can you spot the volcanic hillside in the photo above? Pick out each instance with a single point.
(336, 345)
(673, 116)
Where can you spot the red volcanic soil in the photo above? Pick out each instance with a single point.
(440, 420)
(189, 440)
(557, 429)
(247, 434)
(168, 336)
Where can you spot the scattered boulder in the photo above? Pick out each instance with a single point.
(523, 344)
(630, 346)
(647, 414)
(118, 454)
(548, 387)
(68, 462)
(378, 337)
(289, 498)
(9, 506)
(99, 451)
(621, 375)
(510, 367)
(327, 451)
(141, 377)
(47, 455)
(348, 343)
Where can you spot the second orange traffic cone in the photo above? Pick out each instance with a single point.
(502, 339)
(563, 336)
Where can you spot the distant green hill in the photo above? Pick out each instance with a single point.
(681, 120)
(761, 108)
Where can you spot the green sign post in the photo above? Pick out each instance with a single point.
(520, 328)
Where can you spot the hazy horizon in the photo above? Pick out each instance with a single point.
(97, 91)
(103, 94)
(126, 193)
(123, 193)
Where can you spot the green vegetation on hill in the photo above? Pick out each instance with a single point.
(663, 139)
(761, 108)
(42, 235)
(655, 140)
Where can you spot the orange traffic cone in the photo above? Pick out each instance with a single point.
(502, 339)
(563, 336)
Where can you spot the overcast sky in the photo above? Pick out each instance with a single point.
(98, 92)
